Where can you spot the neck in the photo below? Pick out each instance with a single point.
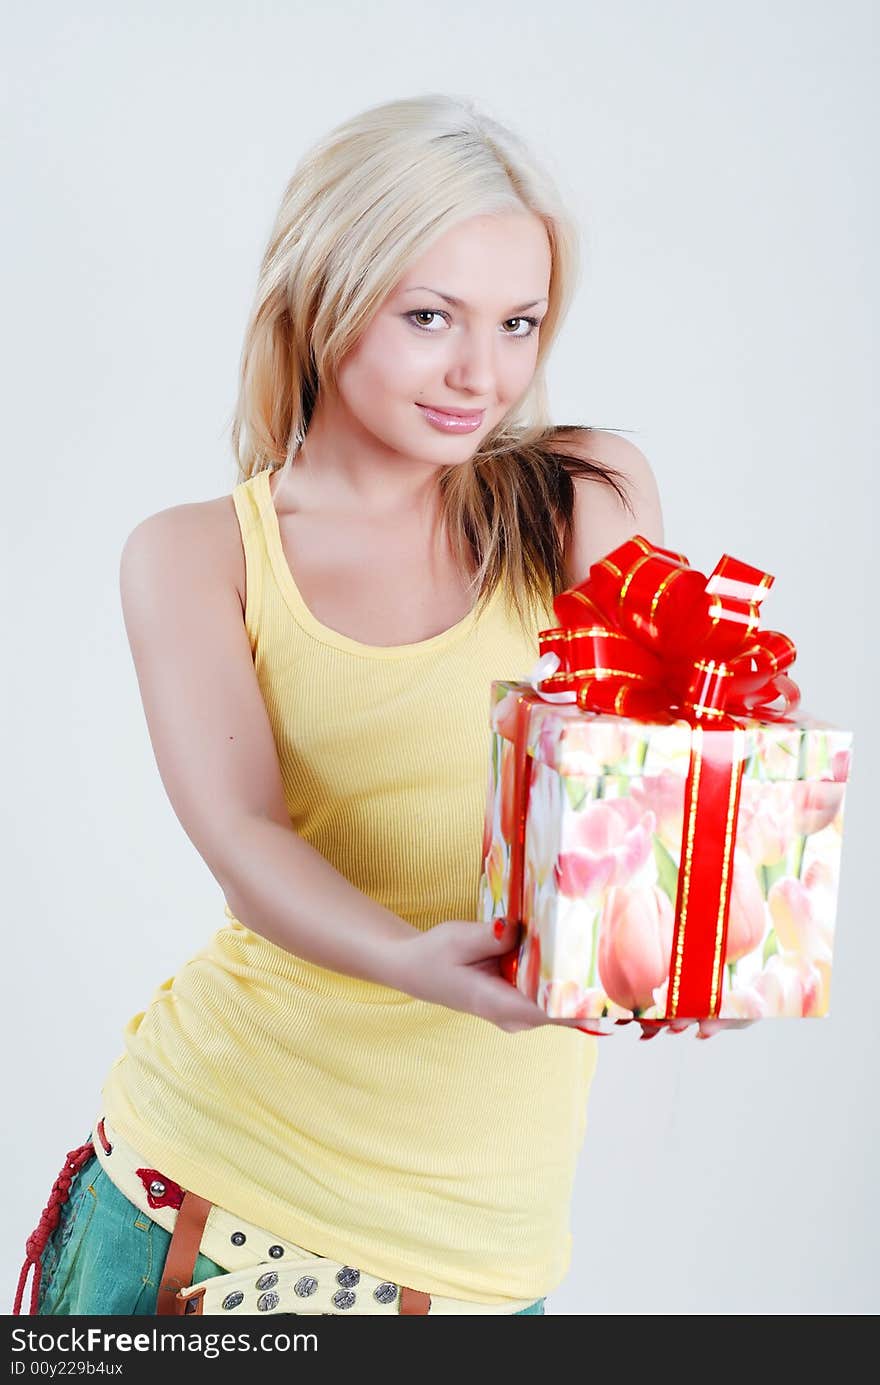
(342, 468)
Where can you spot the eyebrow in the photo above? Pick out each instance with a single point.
(458, 303)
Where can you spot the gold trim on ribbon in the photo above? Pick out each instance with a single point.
(639, 562)
(584, 599)
(713, 666)
(687, 862)
(704, 710)
(663, 586)
(596, 674)
(726, 868)
(606, 562)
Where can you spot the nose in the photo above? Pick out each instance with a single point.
(472, 367)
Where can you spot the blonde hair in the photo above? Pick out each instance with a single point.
(368, 198)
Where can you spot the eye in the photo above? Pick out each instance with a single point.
(423, 312)
(531, 322)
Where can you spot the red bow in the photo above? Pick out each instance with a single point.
(648, 637)
(646, 634)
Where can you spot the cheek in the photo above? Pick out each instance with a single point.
(518, 366)
(385, 365)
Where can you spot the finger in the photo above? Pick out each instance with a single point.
(708, 1028)
(505, 931)
(650, 1029)
(678, 1026)
(713, 1026)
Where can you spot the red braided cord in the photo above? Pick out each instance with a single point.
(36, 1242)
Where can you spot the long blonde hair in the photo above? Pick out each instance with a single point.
(368, 198)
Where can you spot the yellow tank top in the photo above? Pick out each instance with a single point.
(422, 1144)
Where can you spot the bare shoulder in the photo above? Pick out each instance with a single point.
(600, 521)
(201, 536)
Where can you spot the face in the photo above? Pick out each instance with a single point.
(421, 352)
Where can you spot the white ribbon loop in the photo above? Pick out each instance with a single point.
(547, 664)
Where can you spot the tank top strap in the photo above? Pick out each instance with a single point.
(246, 497)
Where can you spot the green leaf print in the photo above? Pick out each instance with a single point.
(667, 870)
(769, 874)
(577, 790)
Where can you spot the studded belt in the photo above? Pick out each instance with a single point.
(265, 1272)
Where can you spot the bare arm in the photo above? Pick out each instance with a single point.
(216, 755)
(217, 759)
(601, 522)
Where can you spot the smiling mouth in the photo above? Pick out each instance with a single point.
(469, 414)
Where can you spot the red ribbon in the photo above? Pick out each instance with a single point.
(648, 637)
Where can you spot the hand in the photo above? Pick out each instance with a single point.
(705, 1027)
(458, 964)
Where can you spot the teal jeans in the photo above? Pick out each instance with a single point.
(106, 1256)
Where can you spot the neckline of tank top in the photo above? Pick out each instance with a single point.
(262, 491)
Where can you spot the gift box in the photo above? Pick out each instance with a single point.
(666, 834)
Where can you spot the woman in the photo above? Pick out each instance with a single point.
(341, 1080)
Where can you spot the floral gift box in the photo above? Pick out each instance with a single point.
(679, 857)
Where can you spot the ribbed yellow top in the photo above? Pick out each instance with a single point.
(414, 1141)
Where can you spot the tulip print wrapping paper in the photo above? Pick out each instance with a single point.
(602, 854)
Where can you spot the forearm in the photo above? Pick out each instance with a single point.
(278, 884)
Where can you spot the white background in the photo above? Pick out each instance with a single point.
(721, 162)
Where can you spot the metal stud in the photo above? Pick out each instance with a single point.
(266, 1302)
(305, 1286)
(157, 1188)
(276, 1252)
(233, 1300)
(348, 1277)
(385, 1293)
(238, 1238)
(344, 1298)
(267, 1281)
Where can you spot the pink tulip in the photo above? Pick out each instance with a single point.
(814, 991)
(598, 741)
(661, 995)
(605, 844)
(547, 743)
(776, 748)
(820, 880)
(508, 779)
(546, 802)
(766, 820)
(742, 1002)
(635, 940)
(495, 870)
(586, 743)
(803, 914)
(788, 990)
(816, 804)
(840, 765)
(489, 812)
(503, 717)
(663, 795)
(573, 1001)
(747, 920)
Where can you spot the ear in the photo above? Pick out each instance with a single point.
(600, 521)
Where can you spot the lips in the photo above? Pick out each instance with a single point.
(471, 415)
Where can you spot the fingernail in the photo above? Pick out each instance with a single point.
(499, 927)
